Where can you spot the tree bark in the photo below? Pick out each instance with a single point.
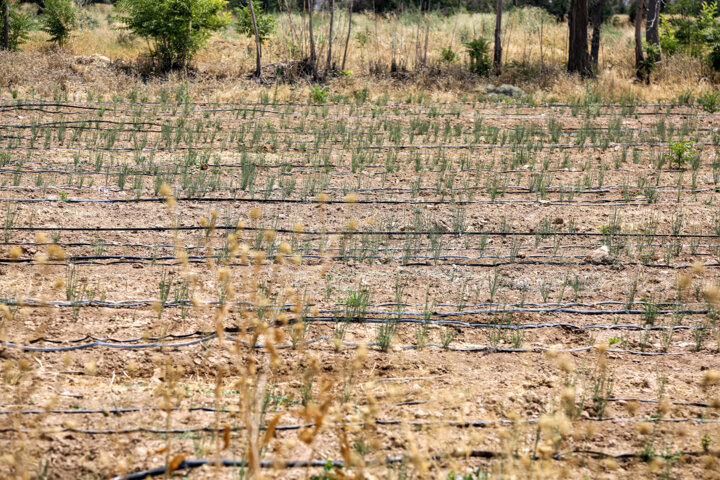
(347, 39)
(6, 25)
(652, 25)
(497, 57)
(258, 47)
(638, 32)
(578, 57)
(330, 36)
(313, 54)
(596, 19)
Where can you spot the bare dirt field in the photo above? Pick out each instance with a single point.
(455, 290)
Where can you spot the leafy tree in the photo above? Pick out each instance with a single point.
(20, 23)
(59, 19)
(175, 29)
(692, 29)
(265, 22)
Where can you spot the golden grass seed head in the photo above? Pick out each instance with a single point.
(351, 197)
(711, 377)
(15, 253)
(91, 367)
(632, 407)
(285, 248)
(645, 428)
(352, 225)
(712, 295)
(323, 198)
(165, 190)
(255, 213)
(684, 281)
(269, 235)
(698, 268)
(664, 406)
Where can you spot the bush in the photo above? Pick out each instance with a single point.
(479, 51)
(175, 29)
(693, 29)
(21, 24)
(448, 55)
(59, 19)
(265, 22)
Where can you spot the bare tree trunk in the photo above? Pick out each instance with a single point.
(497, 57)
(652, 25)
(6, 26)
(578, 57)
(596, 19)
(427, 39)
(638, 32)
(330, 36)
(258, 47)
(347, 39)
(313, 54)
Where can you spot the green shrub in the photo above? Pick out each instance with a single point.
(693, 30)
(649, 63)
(59, 19)
(479, 52)
(21, 24)
(710, 101)
(319, 94)
(265, 22)
(448, 55)
(175, 29)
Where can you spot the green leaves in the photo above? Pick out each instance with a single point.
(265, 22)
(178, 29)
(59, 19)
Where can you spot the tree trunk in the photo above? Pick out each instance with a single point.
(638, 32)
(330, 36)
(652, 25)
(347, 39)
(578, 57)
(6, 26)
(313, 54)
(596, 18)
(258, 47)
(497, 57)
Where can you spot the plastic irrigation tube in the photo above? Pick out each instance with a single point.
(121, 346)
(568, 203)
(351, 233)
(417, 424)
(338, 145)
(120, 411)
(250, 305)
(158, 261)
(387, 111)
(497, 326)
(468, 349)
(190, 464)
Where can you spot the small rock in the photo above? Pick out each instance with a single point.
(507, 90)
(599, 255)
